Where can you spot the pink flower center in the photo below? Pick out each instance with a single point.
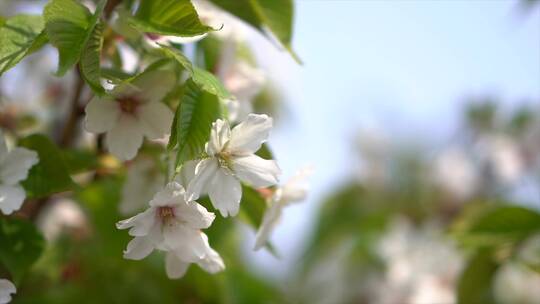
(165, 213)
(128, 104)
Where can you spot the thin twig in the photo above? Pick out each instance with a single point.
(69, 130)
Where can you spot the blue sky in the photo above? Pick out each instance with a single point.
(401, 67)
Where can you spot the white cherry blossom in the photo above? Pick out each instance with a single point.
(62, 215)
(170, 224)
(6, 289)
(421, 265)
(293, 191)
(516, 283)
(132, 111)
(244, 82)
(231, 160)
(14, 167)
(176, 266)
(143, 180)
(455, 172)
(503, 156)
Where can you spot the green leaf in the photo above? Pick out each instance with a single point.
(475, 282)
(90, 60)
(194, 117)
(51, 174)
(69, 26)
(79, 161)
(21, 245)
(252, 206)
(501, 225)
(265, 152)
(115, 75)
(274, 15)
(169, 17)
(204, 79)
(20, 36)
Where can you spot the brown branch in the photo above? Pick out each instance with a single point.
(111, 4)
(70, 128)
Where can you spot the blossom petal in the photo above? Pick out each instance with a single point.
(187, 173)
(11, 198)
(256, 171)
(143, 180)
(125, 139)
(175, 267)
(184, 40)
(296, 188)
(154, 85)
(140, 224)
(14, 168)
(270, 220)
(101, 115)
(172, 194)
(194, 215)
(212, 261)
(156, 119)
(139, 248)
(225, 193)
(219, 136)
(188, 243)
(248, 136)
(6, 289)
(204, 172)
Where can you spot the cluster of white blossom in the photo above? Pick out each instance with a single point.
(422, 267)
(14, 167)
(6, 289)
(461, 170)
(174, 220)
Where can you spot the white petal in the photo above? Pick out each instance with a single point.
(125, 139)
(256, 171)
(244, 81)
(154, 85)
(143, 180)
(156, 119)
(140, 224)
(187, 173)
(211, 261)
(187, 243)
(219, 136)
(101, 115)
(172, 194)
(270, 220)
(184, 40)
(139, 248)
(11, 198)
(296, 188)
(204, 172)
(225, 193)
(175, 267)
(248, 136)
(14, 167)
(6, 289)
(194, 215)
